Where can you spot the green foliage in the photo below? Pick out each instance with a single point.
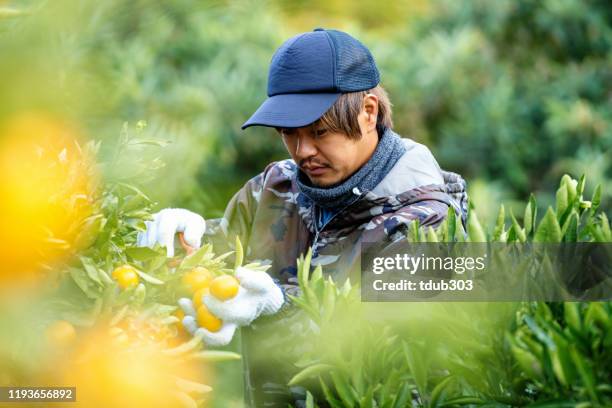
(512, 354)
(564, 351)
(520, 86)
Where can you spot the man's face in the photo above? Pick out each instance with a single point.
(327, 157)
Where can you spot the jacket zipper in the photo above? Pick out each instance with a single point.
(356, 191)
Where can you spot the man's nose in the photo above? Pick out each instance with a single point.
(305, 147)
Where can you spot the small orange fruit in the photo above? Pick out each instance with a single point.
(197, 297)
(224, 287)
(197, 278)
(208, 320)
(125, 276)
(60, 333)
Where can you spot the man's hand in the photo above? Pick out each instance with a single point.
(167, 223)
(257, 295)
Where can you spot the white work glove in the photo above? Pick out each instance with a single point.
(257, 295)
(166, 223)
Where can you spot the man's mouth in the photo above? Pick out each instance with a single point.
(315, 170)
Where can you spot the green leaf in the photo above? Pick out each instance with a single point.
(134, 189)
(572, 315)
(329, 397)
(499, 225)
(475, 231)
(527, 361)
(305, 268)
(402, 397)
(140, 293)
(605, 227)
(570, 228)
(367, 401)
(309, 400)
(570, 185)
(548, 230)
(562, 200)
(438, 393)
(530, 215)
(414, 234)
(451, 223)
(596, 200)
(148, 278)
(141, 253)
(79, 276)
(343, 388)
(195, 258)
(213, 356)
(329, 299)
(432, 236)
(561, 361)
(317, 274)
(417, 367)
(580, 187)
(239, 253)
(520, 234)
(151, 142)
(90, 269)
(585, 372)
(104, 277)
(309, 372)
(463, 401)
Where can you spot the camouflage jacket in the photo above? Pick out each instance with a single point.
(277, 222)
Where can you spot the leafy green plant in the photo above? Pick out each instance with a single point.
(539, 354)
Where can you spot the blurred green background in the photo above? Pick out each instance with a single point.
(511, 94)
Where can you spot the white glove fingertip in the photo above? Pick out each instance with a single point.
(274, 302)
(215, 306)
(258, 281)
(220, 338)
(190, 324)
(187, 307)
(194, 230)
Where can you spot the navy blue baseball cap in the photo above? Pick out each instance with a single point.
(307, 75)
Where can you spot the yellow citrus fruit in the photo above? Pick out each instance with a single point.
(224, 287)
(197, 278)
(197, 297)
(125, 276)
(60, 333)
(208, 320)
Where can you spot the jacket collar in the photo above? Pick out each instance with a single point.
(415, 177)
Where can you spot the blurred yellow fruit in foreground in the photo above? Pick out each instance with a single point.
(180, 329)
(197, 278)
(126, 374)
(125, 276)
(224, 287)
(208, 320)
(46, 187)
(60, 334)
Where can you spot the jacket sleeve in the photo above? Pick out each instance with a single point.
(238, 216)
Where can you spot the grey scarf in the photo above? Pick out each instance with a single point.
(388, 151)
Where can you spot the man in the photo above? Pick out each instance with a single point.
(350, 180)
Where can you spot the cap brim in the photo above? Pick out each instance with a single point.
(292, 110)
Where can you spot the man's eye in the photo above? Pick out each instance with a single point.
(320, 132)
(287, 132)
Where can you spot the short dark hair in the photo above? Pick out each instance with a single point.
(342, 116)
